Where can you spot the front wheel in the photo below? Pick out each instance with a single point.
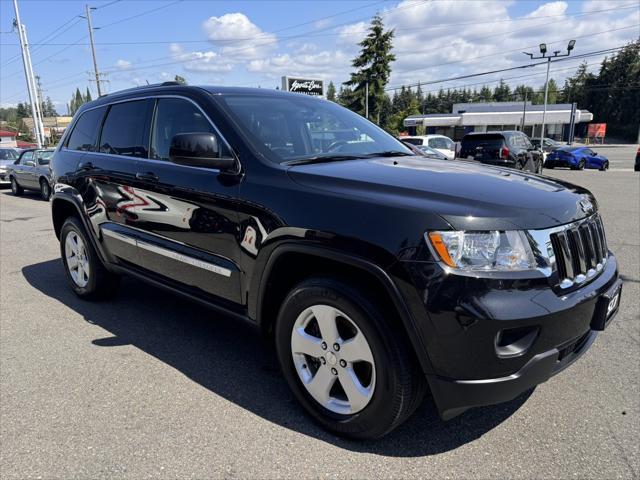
(581, 165)
(16, 189)
(86, 274)
(45, 189)
(346, 366)
(604, 167)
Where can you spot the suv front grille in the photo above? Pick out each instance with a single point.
(580, 251)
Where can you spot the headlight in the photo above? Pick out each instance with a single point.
(492, 251)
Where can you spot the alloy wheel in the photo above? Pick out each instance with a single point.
(333, 359)
(77, 259)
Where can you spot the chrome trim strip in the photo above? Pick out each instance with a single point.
(118, 236)
(194, 262)
(165, 252)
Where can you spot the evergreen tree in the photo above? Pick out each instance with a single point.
(373, 67)
(331, 92)
(502, 92)
(50, 109)
(87, 96)
(485, 95)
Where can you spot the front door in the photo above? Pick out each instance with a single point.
(188, 214)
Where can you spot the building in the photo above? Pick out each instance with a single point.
(8, 139)
(54, 127)
(482, 117)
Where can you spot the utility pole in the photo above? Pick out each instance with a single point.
(93, 49)
(572, 125)
(28, 73)
(556, 54)
(39, 93)
(524, 111)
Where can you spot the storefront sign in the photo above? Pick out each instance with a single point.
(303, 85)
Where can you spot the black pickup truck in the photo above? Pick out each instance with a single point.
(378, 274)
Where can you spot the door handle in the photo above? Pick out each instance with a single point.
(147, 177)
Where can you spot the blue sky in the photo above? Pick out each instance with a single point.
(254, 43)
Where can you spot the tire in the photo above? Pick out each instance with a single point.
(550, 167)
(390, 385)
(90, 279)
(604, 167)
(16, 189)
(45, 189)
(581, 165)
(519, 165)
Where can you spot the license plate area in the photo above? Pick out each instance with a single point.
(607, 307)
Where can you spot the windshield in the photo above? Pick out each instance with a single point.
(296, 127)
(8, 154)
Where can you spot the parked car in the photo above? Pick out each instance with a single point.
(432, 152)
(31, 172)
(549, 144)
(636, 167)
(443, 144)
(576, 158)
(424, 151)
(375, 273)
(7, 157)
(506, 148)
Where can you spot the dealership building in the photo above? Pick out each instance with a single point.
(483, 117)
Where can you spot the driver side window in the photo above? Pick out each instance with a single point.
(173, 116)
(27, 157)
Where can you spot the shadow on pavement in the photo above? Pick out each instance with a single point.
(232, 361)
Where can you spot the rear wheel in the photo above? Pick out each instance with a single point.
(346, 366)
(86, 274)
(16, 189)
(45, 189)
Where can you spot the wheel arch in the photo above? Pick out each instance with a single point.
(283, 271)
(63, 206)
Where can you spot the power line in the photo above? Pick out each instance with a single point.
(402, 29)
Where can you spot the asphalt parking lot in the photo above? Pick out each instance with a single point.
(150, 385)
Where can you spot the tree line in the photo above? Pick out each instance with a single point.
(612, 94)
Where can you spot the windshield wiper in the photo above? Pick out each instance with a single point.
(390, 153)
(322, 159)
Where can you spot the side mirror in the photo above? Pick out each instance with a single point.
(593, 154)
(199, 150)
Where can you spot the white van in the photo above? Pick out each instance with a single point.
(443, 144)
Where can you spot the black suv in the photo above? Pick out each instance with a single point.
(507, 148)
(378, 274)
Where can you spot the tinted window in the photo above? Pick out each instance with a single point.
(527, 142)
(516, 141)
(85, 133)
(439, 143)
(8, 154)
(472, 141)
(413, 141)
(296, 127)
(173, 116)
(123, 130)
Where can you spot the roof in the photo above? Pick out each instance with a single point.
(6, 133)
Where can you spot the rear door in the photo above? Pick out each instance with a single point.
(106, 175)
(188, 215)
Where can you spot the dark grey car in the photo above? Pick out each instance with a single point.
(31, 172)
(7, 157)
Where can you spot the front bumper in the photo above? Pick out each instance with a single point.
(466, 318)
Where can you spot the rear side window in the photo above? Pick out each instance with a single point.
(124, 128)
(492, 141)
(173, 116)
(438, 142)
(84, 136)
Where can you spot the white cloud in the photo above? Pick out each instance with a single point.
(325, 64)
(196, 61)
(549, 9)
(238, 36)
(123, 64)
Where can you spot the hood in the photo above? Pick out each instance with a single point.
(468, 195)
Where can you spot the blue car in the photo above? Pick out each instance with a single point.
(576, 158)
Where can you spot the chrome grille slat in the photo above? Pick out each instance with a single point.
(580, 251)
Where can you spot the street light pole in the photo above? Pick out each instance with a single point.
(93, 49)
(366, 101)
(556, 54)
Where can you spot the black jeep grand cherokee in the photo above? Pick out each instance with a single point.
(379, 274)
